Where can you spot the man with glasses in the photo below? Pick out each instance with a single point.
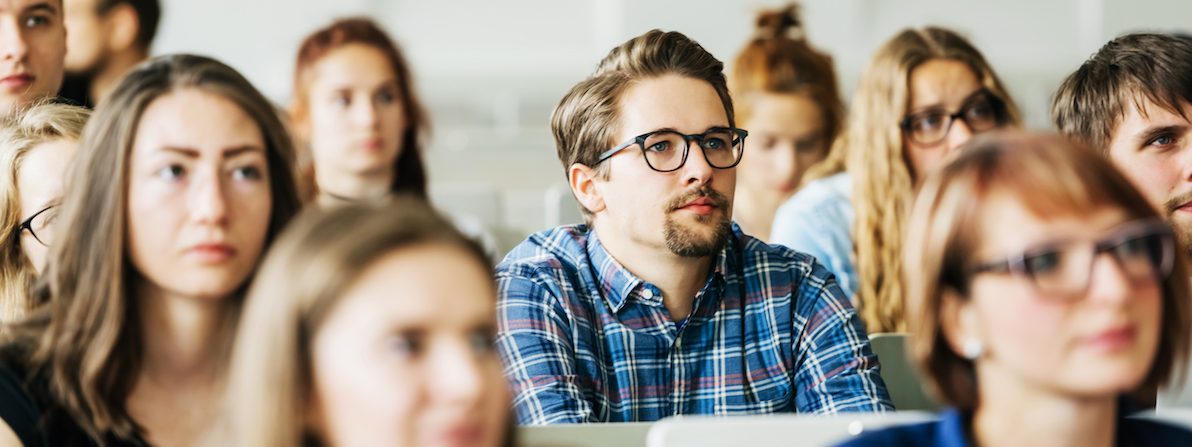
(659, 305)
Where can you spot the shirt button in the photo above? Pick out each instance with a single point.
(647, 294)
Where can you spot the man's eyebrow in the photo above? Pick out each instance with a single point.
(41, 7)
(1150, 133)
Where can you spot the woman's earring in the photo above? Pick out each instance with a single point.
(973, 349)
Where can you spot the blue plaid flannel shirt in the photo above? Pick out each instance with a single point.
(584, 340)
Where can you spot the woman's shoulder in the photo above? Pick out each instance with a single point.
(834, 191)
(922, 434)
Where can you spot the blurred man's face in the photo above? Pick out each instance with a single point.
(32, 47)
(85, 43)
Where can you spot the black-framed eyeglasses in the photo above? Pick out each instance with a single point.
(981, 112)
(40, 225)
(722, 147)
(1143, 249)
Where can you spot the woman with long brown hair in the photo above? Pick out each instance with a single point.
(183, 178)
(784, 92)
(924, 94)
(357, 115)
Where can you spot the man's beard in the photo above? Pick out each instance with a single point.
(686, 242)
(1182, 231)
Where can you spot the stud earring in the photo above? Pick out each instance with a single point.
(973, 349)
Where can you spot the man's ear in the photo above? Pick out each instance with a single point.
(585, 187)
(122, 26)
(958, 320)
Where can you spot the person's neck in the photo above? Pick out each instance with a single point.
(335, 187)
(679, 278)
(116, 66)
(754, 212)
(182, 336)
(1011, 416)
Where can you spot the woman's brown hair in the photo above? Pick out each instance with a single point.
(409, 172)
(1049, 176)
(301, 279)
(84, 342)
(874, 154)
(778, 60)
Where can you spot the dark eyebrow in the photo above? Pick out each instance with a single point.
(41, 7)
(1151, 133)
(241, 150)
(227, 153)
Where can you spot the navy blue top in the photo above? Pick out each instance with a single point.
(951, 430)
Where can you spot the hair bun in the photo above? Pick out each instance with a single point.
(780, 23)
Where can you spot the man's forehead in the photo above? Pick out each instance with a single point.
(1141, 113)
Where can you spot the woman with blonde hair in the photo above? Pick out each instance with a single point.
(784, 92)
(1046, 294)
(183, 178)
(924, 94)
(370, 324)
(35, 149)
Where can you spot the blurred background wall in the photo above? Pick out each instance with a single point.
(491, 71)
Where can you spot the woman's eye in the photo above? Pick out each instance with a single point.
(405, 346)
(342, 100)
(171, 172)
(386, 97)
(929, 122)
(1043, 263)
(247, 173)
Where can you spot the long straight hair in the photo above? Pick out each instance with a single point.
(874, 153)
(300, 284)
(85, 341)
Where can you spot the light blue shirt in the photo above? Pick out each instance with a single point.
(818, 221)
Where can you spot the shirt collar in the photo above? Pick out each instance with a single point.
(617, 284)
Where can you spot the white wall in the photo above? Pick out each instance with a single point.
(491, 71)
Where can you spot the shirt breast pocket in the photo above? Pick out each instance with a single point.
(767, 385)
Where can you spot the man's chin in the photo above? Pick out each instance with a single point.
(1181, 222)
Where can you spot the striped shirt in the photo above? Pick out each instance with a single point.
(584, 340)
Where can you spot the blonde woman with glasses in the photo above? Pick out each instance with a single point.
(925, 93)
(35, 148)
(1047, 300)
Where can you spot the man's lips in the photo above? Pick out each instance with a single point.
(702, 205)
